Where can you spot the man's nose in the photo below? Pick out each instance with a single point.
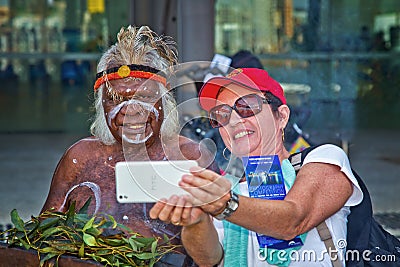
(132, 109)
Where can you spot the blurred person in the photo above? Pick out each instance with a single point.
(365, 39)
(136, 120)
(245, 59)
(379, 43)
(220, 220)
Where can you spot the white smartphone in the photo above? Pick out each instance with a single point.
(149, 181)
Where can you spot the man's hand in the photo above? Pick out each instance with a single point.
(177, 210)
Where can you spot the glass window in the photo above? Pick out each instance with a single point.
(345, 52)
(49, 54)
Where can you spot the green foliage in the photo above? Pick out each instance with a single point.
(99, 238)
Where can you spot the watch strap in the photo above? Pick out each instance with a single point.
(231, 207)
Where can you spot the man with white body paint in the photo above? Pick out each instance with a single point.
(135, 120)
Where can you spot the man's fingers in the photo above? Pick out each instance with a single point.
(186, 213)
(156, 209)
(177, 214)
(165, 213)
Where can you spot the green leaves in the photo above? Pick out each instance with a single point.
(17, 221)
(89, 240)
(99, 238)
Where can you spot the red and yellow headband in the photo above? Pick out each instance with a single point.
(133, 70)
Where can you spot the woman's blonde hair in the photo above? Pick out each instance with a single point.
(138, 46)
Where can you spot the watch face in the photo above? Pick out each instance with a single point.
(236, 205)
(233, 202)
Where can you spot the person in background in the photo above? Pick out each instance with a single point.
(220, 220)
(136, 120)
(245, 59)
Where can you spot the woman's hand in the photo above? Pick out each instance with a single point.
(209, 193)
(209, 190)
(177, 210)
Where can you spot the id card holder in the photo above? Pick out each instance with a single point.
(265, 180)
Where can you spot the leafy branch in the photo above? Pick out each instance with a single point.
(98, 237)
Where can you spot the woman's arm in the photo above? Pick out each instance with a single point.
(320, 190)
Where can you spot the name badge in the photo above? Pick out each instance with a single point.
(265, 180)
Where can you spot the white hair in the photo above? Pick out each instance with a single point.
(145, 47)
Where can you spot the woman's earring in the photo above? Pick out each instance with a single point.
(283, 135)
(223, 154)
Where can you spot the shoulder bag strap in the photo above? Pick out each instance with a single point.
(326, 237)
(323, 230)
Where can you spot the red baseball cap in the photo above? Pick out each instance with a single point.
(252, 78)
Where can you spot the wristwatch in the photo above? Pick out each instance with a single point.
(231, 207)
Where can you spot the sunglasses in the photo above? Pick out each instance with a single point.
(246, 106)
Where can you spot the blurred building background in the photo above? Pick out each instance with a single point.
(345, 53)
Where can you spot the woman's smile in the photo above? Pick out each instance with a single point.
(242, 134)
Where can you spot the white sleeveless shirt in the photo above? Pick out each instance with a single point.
(313, 252)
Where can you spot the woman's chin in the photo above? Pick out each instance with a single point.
(241, 152)
(244, 147)
(255, 150)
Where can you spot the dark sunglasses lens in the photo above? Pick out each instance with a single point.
(248, 106)
(220, 115)
(214, 123)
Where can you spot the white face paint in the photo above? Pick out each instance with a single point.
(113, 113)
(138, 139)
(144, 109)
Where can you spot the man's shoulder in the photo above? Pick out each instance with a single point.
(90, 141)
(88, 145)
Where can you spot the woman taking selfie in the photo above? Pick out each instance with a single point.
(223, 223)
